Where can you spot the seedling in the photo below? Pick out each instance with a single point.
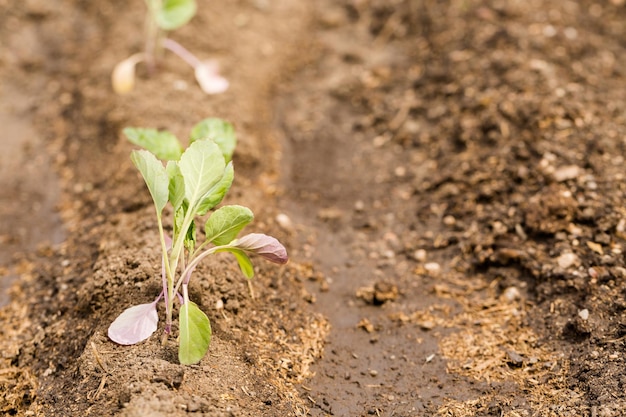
(194, 181)
(162, 17)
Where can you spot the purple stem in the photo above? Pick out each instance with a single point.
(164, 280)
(183, 53)
(188, 275)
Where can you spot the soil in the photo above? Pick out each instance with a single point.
(447, 177)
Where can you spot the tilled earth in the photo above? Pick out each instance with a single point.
(448, 178)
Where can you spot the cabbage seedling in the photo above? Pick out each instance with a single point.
(194, 181)
(163, 16)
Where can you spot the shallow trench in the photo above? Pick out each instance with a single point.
(331, 178)
(30, 188)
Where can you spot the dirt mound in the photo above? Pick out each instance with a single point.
(448, 178)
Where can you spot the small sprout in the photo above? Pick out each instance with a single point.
(193, 181)
(164, 16)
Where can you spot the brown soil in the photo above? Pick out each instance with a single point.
(447, 176)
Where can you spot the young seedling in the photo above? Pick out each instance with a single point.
(163, 16)
(193, 181)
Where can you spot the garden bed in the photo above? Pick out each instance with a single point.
(448, 180)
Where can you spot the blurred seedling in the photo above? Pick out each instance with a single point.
(163, 16)
(193, 181)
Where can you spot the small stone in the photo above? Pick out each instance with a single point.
(512, 294)
(433, 268)
(419, 255)
(596, 247)
(373, 372)
(427, 325)
(499, 228)
(584, 314)
(567, 260)
(575, 230)
(366, 325)
(565, 173)
(284, 221)
(449, 220)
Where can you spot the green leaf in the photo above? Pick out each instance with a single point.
(190, 237)
(162, 144)
(225, 224)
(154, 175)
(195, 334)
(175, 13)
(179, 217)
(245, 264)
(202, 166)
(220, 132)
(176, 184)
(215, 195)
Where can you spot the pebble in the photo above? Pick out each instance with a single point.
(565, 173)
(366, 325)
(427, 325)
(284, 221)
(567, 260)
(584, 314)
(432, 268)
(449, 220)
(512, 294)
(499, 228)
(420, 255)
(373, 372)
(596, 247)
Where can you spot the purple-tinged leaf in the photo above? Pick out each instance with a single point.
(211, 82)
(135, 324)
(263, 245)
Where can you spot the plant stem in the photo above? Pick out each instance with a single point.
(186, 274)
(180, 50)
(175, 255)
(168, 286)
(152, 33)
